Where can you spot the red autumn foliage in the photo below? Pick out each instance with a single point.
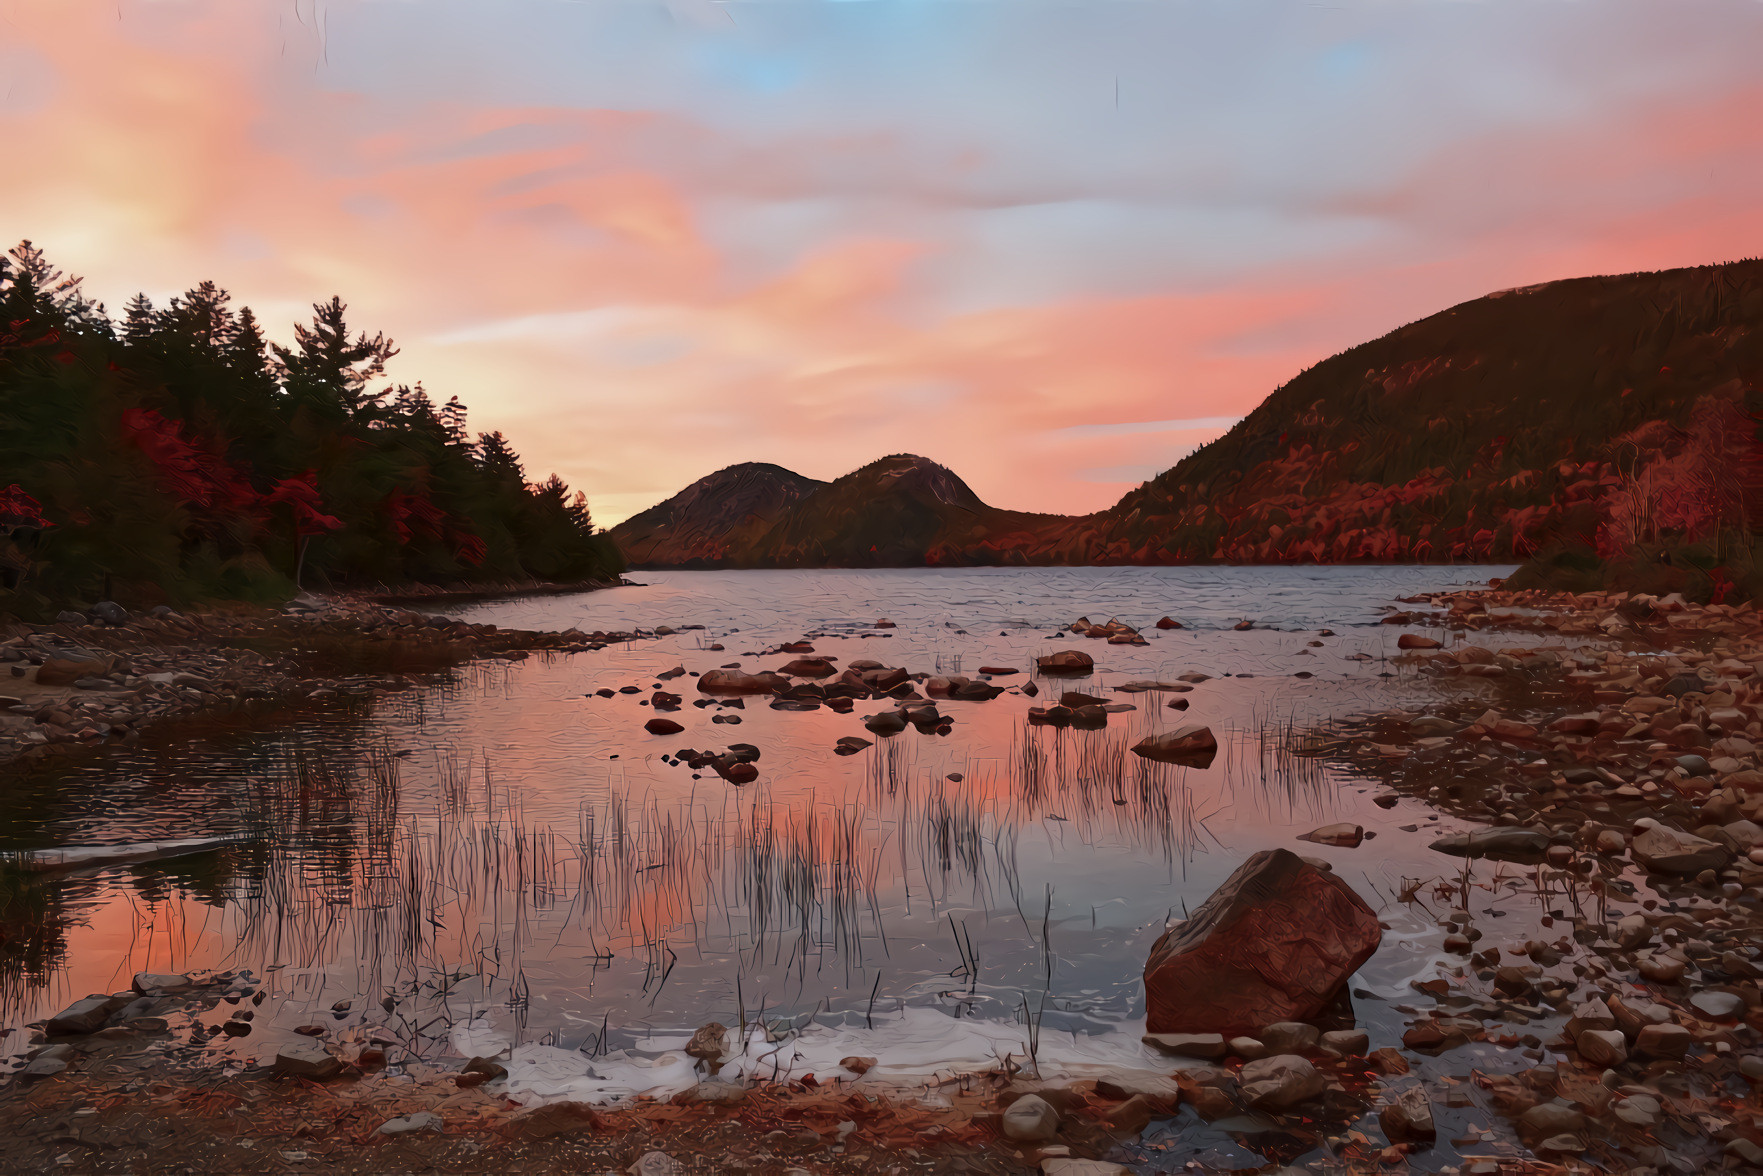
(19, 510)
(195, 476)
(302, 497)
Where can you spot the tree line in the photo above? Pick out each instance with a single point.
(175, 454)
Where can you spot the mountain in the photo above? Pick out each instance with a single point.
(715, 520)
(1590, 418)
(900, 511)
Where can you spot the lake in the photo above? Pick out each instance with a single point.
(513, 860)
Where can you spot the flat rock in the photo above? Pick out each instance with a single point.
(411, 1124)
(307, 1059)
(160, 982)
(1718, 1006)
(86, 1015)
(1188, 1045)
(1345, 836)
(1672, 851)
(1497, 844)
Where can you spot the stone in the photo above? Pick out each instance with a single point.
(411, 1124)
(1030, 1119)
(1068, 1166)
(1511, 844)
(108, 612)
(1662, 969)
(1671, 851)
(1592, 1015)
(1274, 943)
(660, 726)
(1602, 1047)
(1662, 1041)
(43, 1067)
(888, 722)
(1561, 1145)
(1290, 1037)
(1343, 835)
(716, 1092)
(488, 1067)
(86, 1015)
(1346, 1043)
(1551, 1118)
(1187, 1045)
(1632, 931)
(307, 1059)
(1408, 1117)
(857, 1065)
(850, 745)
(1168, 623)
(543, 1122)
(65, 671)
(1280, 1081)
(809, 667)
(1718, 1006)
(709, 1043)
(656, 1163)
(1192, 746)
(726, 681)
(1388, 1061)
(1067, 662)
(1610, 842)
(1415, 641)
(1586, 724)
(1247, 1048)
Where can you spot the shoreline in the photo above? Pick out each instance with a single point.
(1516, 768)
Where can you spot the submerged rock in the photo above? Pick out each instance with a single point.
(1274, 943)
(83, 1016)
(1670, 851)
(727, 681)
(1408, 1117)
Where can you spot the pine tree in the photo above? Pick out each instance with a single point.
(140, 320)
(326, 366)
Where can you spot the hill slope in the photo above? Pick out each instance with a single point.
(1487, 431)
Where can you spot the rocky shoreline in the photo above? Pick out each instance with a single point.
(95, 679)
(1608, 764)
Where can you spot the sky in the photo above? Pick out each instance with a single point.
(1053, 246)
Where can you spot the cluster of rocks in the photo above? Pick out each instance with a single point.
(1616, 765)
(141, 1011)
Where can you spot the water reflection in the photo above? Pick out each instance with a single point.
(506, 844)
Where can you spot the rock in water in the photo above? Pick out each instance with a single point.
(1346, 836)
(1280, 1081)
(1497, 845)
(1408, 1116)
(662, 727)
(1030, 1118)
(1066, 661)
(86, 1015)
(727, 681)
(709, 1043)
(307, 1059)
(1192, 747)
(1275, 943)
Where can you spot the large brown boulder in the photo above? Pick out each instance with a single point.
(1275, 943)
(65, 671)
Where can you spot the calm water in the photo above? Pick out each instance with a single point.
(510, 855)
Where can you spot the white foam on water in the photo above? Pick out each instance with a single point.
(914, 1048)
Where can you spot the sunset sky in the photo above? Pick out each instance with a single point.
(1053, 246)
